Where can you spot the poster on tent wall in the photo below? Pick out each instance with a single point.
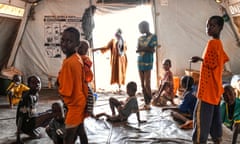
(234, 9)
(53, 28)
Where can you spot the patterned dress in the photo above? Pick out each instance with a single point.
(145, 58)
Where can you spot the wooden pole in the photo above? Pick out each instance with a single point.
(91, 44)
(19, 35)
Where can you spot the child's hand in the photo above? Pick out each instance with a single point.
(60, 132)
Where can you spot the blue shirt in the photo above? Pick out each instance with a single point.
(188, 104)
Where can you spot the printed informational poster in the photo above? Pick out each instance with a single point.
(53, 28)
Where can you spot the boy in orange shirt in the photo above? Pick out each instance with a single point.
(72, 87)
(206, 117)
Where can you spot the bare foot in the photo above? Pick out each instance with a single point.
(187, 125)
(146, 107)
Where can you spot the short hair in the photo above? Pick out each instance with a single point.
(219, 20)
(83, 48)
(92, 7)
(188, 81)
(168, 61)
(16, 76)
(31, 77)
(132, 86)
(144, 23)
(227, 87)
(85, 42)
(74, 31)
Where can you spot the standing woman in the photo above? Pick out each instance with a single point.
(145, 49)
(118, 61)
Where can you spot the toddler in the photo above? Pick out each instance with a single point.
(15, 90)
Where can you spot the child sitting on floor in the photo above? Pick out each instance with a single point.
(124, 108)
(163, 97)
(27, 119)
(184, 112)
(167, 77)
(15, 90)
(230, 111)
(56, 127)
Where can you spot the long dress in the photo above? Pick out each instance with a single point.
(118, 61)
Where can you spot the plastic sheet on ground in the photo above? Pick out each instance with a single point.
(159, 128)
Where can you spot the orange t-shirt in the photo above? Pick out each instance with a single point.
(210, 83)
(87, 68)
(73, 89)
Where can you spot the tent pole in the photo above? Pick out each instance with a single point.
(158, 45)
(19, 35)
(94, 76)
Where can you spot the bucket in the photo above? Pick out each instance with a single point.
(176, 84)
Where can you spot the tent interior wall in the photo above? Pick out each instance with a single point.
(179, 25)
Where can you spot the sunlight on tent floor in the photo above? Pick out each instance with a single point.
(105, 28)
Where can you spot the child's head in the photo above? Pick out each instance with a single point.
(143, 27)
(92, 9)
(17, 79)
(57, 109)
(214, 26)
(187, 82)
(83, 48)
(166, 64)
(34, 83)
(131, 88)
(70, 41)
(229, 95)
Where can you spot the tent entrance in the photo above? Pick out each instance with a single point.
(106, 25)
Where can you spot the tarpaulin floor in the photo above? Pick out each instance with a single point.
(158, 128)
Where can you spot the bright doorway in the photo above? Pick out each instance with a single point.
(105, 28)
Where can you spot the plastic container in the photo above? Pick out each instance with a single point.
(95, 95)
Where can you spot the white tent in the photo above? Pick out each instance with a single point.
(179, 25)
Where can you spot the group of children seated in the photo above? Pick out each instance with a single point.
(28, 120)
(26, 97)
